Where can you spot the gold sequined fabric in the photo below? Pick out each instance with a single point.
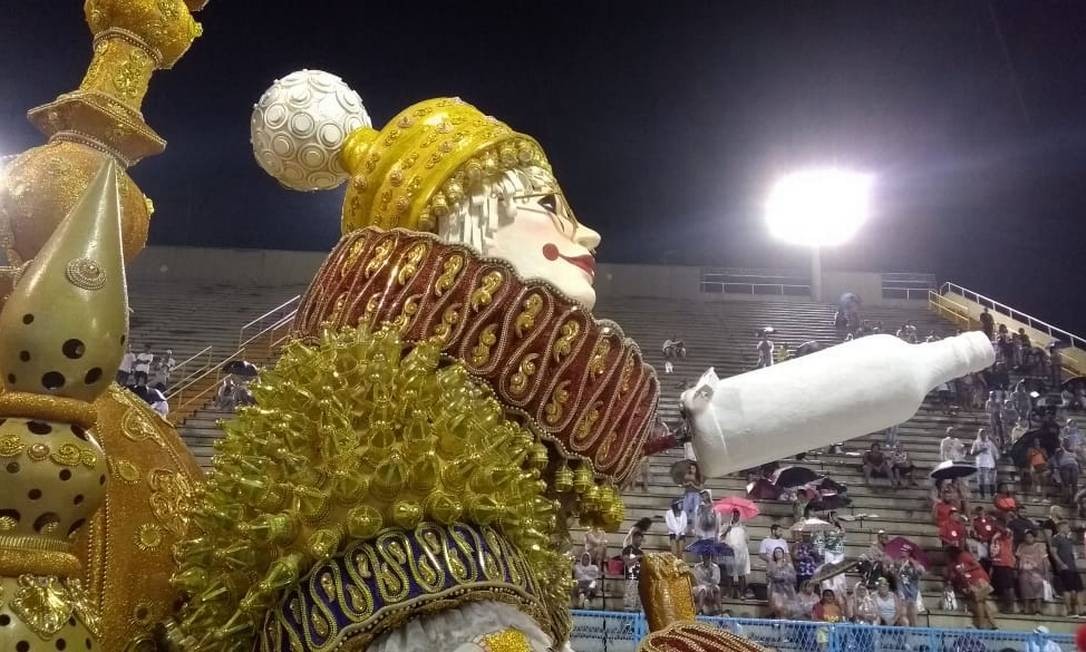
(666, 590)
(696, 637)
(126, 549)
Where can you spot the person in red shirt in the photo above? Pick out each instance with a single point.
(945, 506)
(981, 530)
(966, 575)
(953, 530)
(1001, 550)
(1005, 500)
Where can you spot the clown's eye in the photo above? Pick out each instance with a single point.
(549, 202)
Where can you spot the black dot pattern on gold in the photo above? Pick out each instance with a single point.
(24, 356)
(11, 513)
(102, 479)
(75, 526)
(52, 380)
(28, 318)
(61, 644)
(22, 646)
(73, 349)
(12, 467)
(5, 620)
(34, 494)
(79, 432)
(88, 642)
(11, 378)
(124, 338)
(93, 375)
(78, 499)
(65, 474)
(45, 519)
(39, 427)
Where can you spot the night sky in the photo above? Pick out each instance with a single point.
(666, 122)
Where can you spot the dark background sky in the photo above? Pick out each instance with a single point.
(666, 121)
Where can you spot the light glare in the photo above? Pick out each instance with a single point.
(818, 207)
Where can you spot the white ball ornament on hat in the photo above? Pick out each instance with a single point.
(299, 126)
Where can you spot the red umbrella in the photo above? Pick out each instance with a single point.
(900, 548)
(747, 509)
(762, 489)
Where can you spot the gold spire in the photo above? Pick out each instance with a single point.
(63, 330)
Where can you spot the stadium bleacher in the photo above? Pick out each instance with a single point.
(719, 334)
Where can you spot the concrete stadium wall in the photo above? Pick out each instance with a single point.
(274, 267)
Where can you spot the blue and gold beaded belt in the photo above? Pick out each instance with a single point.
(377, 585)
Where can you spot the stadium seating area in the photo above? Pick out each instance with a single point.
(718, 334)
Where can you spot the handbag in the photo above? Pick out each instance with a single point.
(1048, 594)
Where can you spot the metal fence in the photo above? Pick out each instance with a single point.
(610, 631)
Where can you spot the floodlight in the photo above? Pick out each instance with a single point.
(818, 207)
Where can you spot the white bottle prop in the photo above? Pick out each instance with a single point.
(834, 395)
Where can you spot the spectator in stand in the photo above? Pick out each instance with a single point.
(806, 558)
(1022, 347)
(780, 577)
(954, 530)
(674, 349)
(966, 575)
(1020, 397)
(1072, 437)
(1033, 572)
(862, 607)
(887, 604)
(879, 563)
(908, 574)
(1018, 429)
(676, 521)
(765, 350)
(595, 544)
(738, 564)
(890, 437)
(631, 559)
(707, 586)
(142, 365)
(951, 449)
(1005, 346)
(931, 337)
(1005, 501)
(706, 521)
(1067, 471)
(1019, 524)
(1063, 556)
(903, 466)
(981, 530)
(1008, 416)
(987, 324)
(840, 323)
(1004, 582)
(226, 396)
(1040, 641)
(984, 454)
(586, 577)
(1037, 468)
(876, 463)
(126, 369)
(828, 609)
(1055, 367)
(804, 604)
(691, 493)
(771, 543)
(946, 504)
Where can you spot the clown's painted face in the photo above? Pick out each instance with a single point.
(545, 241)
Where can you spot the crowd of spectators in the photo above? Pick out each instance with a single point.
(147, 374)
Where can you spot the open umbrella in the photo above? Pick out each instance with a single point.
(829, 486)
(708, 546)
(762, 489)
(1048, 439)
(900, 548)
(812, 525)
(678, 471)
(241, 368)
(793, 476)
(829, 503)
(951, 469)
(747, 509)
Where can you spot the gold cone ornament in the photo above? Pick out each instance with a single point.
(61, 338)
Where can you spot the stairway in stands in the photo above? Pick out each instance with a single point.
(722, 335)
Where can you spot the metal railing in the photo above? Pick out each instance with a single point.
(911, 294)
(949, 309)
(1003, 309)
(185, 371)
(612, 631)
(754, 282)
(275, 315)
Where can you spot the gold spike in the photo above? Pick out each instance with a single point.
(63, 329)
